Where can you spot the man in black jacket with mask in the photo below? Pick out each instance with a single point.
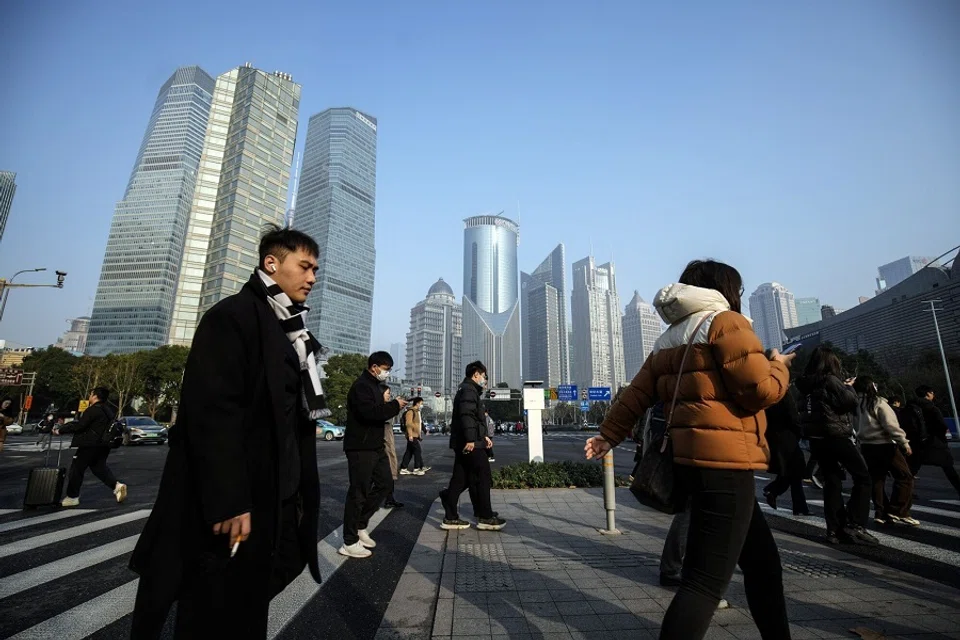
(935, 451)
(371, 479)
(91, 438)
(471, 467)
(235, 519)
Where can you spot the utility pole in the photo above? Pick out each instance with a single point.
(946, 368)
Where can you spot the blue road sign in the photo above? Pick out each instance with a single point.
(584, 405)
(567, 392)
(598, 393)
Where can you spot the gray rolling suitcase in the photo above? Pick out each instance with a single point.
(45, 484)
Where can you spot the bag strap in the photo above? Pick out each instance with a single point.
(686, 352)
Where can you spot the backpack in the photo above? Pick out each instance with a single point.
(913, 424)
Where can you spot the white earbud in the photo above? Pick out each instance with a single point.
(273, 268)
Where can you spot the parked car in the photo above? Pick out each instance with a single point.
(14, 430)
(142, 430)
(329, 431)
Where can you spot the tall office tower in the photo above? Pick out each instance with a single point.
(808, 311)
(8, 187)
(597, 326)
(435, 339)
(398, 351)
(138, 279)
(491, 302)
(544, 321)
(336, 206)
(75, 340)
(897, 271)
(641, 328)
(773, 309)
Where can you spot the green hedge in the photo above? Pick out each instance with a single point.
(546, 475)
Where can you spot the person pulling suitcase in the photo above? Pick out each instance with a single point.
(92, 439)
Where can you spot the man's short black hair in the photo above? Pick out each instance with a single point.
(923, 390)
(281, 242)
(474, 367)
(381, 359)
(102, 393)
(416, 400)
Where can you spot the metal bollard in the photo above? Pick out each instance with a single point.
(609, 495)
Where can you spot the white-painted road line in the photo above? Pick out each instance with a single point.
(30, 578)
(955, 503)
(87, 618)
(49, 517)
(946, 513)
(286, 605)
(29, 544)
(5, 512)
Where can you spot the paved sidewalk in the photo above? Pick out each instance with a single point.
(550, 574)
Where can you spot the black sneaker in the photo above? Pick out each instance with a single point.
(859, 535)
(832, 538)
(393, 504)
(491, 524)
(448, 525)
(666, 580)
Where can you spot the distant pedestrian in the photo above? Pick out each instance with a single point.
(885, 448)
(828, 411)
(235, 521)
(390, 446)
(491, 430)
(368, 466)
(710, 371)
(471, 467)
(7, 418)
(786, 456)
(412, 425)
(92, 440)
(935, 451)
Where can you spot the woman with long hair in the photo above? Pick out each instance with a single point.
(885, 448)
(827, 411)
(717, 426)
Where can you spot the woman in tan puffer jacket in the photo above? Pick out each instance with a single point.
(718, 431)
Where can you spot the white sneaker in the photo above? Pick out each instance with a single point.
(723, 604)
(913, 522)
(425, 469)
(69, 502)
(405, 472)
(419, 472)
(120, 491)
(365, 539)
(356, 550)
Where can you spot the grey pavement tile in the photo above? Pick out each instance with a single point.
(402, 634)
(443, 617)
(546, 625)
(732, 617)
(942, 624)
(470, 626)
(607, 607)
(504, 610)
(744, 631)
(509, 626)
(622, 622)
(642, 605)
(580, 608)
(604, 594)
(535, 596)
(584, 623)
(566, 595)
(463, 610)
(542, 609)
(802, 633)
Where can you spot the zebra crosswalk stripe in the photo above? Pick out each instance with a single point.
(87, 618)
(49, 517)
(28, 544)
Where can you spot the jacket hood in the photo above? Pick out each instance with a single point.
(677, 301)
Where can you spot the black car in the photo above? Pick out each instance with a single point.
(142, 430)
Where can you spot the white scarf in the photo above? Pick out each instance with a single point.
(292, 319)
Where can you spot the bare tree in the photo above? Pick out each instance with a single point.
(124, 375)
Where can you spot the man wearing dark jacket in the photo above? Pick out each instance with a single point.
(934, 451)
(371, 479)
(235, 519)
(471, 467)
(91, 438)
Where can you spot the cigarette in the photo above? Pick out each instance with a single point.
(236, 545)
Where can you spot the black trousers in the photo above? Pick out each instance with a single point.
(231, 597)
(370, 482)
(935, 455)
(835, 455)
(414, 451)
(94, 458)
(727, 529)
(792, 481)
(471, 471)
(883, 459)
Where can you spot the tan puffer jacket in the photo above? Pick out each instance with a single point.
(727, 382)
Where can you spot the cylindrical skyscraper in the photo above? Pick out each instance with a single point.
(491, 309)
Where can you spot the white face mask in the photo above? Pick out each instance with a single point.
(383, 375)
(483, 381)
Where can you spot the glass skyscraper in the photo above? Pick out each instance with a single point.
(544, 321)
(597, 326)
(491, 302)
(434, 342)
(641, 328)
(772, 309)
(336, 206)
(8, 187)
(138, 278)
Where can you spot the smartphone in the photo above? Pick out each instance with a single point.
(791, 348)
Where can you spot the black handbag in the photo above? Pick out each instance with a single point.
(653, 482)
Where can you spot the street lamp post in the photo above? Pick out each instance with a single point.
(946, 368)
(6, 285)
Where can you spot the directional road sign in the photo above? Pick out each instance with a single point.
(584, 405)
(598, 393)
(567, 392)
(10, 377)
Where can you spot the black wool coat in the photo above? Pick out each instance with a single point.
(223, 458)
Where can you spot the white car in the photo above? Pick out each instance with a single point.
(14, 430)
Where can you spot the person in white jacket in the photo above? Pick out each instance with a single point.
(885, 447)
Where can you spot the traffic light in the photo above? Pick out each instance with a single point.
(583, 394)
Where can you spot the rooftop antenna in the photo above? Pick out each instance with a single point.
(296, 187)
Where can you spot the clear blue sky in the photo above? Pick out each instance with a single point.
(805, 143)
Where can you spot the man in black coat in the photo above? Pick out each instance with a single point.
(91, 438)
(371, 479)
(934, 451)
(471, 467)
(235, 519)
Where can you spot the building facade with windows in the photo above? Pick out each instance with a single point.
(773, 310)
(809, 311)
(641, 328)
(597, 326)
(895, 272)
(336, 205)
(8, 188)
(544, 321)
(435, 340)
(138, 280)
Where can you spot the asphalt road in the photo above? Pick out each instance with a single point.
(64, 573)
